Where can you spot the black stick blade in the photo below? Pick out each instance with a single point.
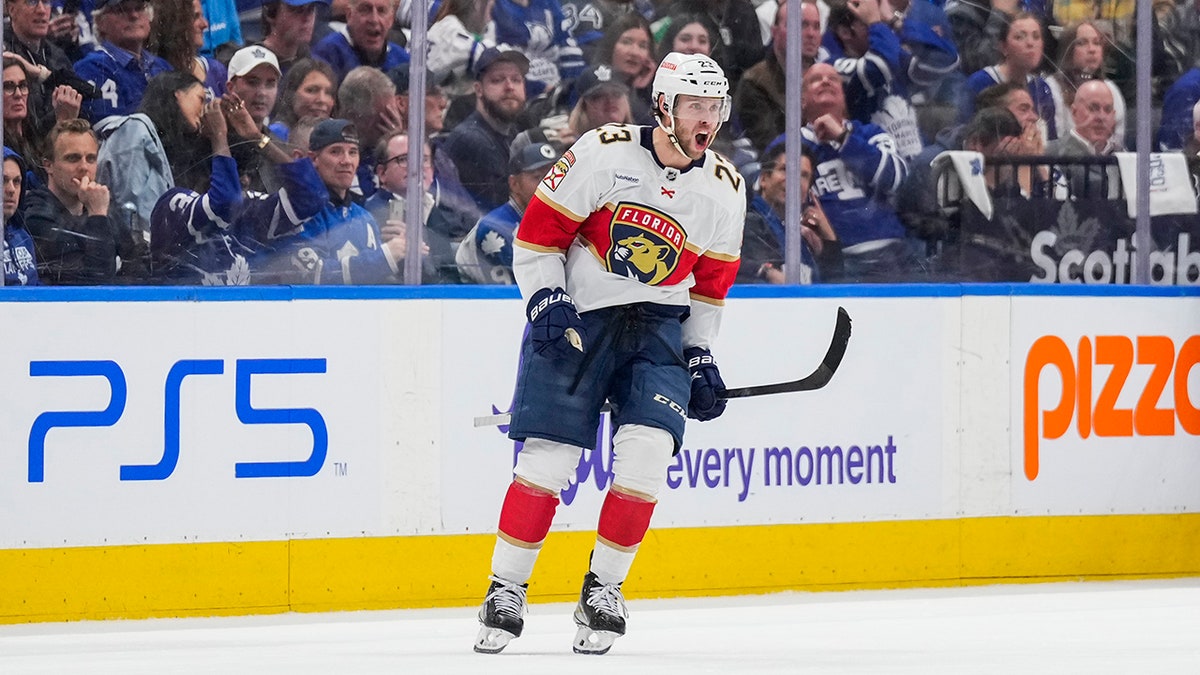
(815, 380)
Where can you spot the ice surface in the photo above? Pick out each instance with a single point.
(1150, 627)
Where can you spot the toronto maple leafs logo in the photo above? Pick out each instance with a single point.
(492, 245)
(541, 38)
(238, 274)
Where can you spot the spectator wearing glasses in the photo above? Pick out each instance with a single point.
(19, 132)
(122, 65)
(447, 187)
(443, 226)
(46, 64)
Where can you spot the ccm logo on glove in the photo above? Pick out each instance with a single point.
(555, 326)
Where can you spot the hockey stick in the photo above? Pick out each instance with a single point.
(814, 380)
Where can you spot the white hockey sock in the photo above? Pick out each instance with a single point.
(611, 565)
(513, 563)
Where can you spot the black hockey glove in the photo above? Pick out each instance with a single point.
(708, 388)
(554, 324)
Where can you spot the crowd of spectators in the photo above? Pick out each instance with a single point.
(164, 141)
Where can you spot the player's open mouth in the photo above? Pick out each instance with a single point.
(702, 140)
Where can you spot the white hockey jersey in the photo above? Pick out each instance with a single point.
(613, 226)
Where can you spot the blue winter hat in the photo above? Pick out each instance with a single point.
(301, 3)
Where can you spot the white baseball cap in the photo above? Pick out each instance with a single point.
(249, 58)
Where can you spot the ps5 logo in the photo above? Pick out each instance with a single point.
(245, 370)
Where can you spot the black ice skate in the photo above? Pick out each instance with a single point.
(502, 616)
(600, 616)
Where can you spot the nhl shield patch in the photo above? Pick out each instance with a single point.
(645, 243)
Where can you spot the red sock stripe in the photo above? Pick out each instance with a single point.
(624, 519)
(527, 513)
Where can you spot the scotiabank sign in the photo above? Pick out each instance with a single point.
(1094, 374)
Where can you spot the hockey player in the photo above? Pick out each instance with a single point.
(625, 255)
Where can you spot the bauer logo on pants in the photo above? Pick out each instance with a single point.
(645, 244)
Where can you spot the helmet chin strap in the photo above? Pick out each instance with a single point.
(675, 139)
(671, 135)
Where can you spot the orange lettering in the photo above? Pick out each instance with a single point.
(1102, 417)
(1189, 414)
(1083, 387)
(1148, 419)
(1047, 351)
(1116, 351)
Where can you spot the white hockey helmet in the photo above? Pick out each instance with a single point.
(693, 74)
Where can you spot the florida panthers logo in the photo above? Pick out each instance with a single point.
(645, 244)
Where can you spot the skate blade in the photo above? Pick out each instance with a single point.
(588, 641)
(492, 640)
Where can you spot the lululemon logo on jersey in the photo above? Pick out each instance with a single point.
(645, 243)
